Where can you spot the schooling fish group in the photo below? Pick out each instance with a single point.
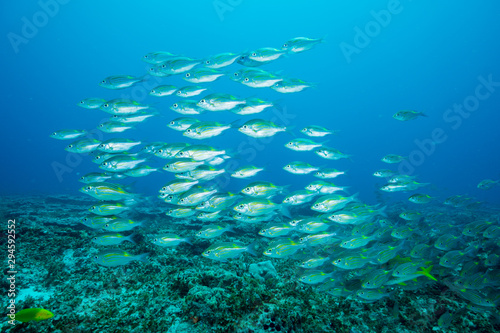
(343, 247)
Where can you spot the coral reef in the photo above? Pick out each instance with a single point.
(178, 290)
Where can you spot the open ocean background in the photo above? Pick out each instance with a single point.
(427, 58)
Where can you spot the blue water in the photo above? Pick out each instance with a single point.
(428, 57)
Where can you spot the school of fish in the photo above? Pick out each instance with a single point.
(342, 247)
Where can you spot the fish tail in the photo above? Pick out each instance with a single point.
(285, 212)
(234, 124)
(382, 212)
(426, 271)
(142, 257)
(130, 238)
(290, 130)
(252, 248)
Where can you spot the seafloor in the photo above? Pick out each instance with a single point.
(178, 290)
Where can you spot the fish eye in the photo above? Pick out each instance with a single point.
(55, 133)
(70, 146)
(188, 74)
(207, 62)
(175, 105)
(247, 79)
(285, 45)
(96, 257)
(106, 105)
(202, 101)
(236, 74)
(89, 188)
(241, 206)
(93, 207)
(163, 66)
(106, 225)
(152, 91)
(152, 69)
(207, 251)
(254, 54)
(103, 81)
(95, 238)
(245, 126)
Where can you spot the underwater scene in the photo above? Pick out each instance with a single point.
(250, 166)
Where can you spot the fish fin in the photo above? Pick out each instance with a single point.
(285, 212)
(143, 257)
(278, 104)
(130, 238)
(381, 211)
(231, 229)
(234, 124)
(252, 248)
(188, 240)
(324, 143)
(289, 130)
(426, 271)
